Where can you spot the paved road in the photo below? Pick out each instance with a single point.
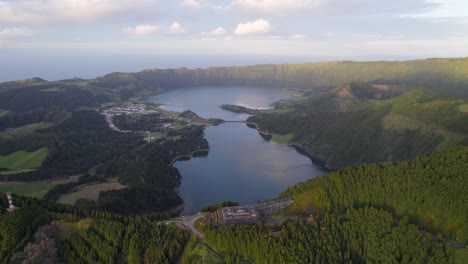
(187, 221)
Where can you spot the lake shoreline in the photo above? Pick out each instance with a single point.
(189, 156)
(296, 145)
(240, 165)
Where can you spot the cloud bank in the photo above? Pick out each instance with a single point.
(175, 28)
(259, 26)
(47, 11)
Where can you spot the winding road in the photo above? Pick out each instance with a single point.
(188, 222)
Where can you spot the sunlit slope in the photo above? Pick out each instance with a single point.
(445, 76)
(430, 190)
(344, 127)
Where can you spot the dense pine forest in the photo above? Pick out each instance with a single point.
(362, 214)
(60, 233)
(365, 235)
(429, 190)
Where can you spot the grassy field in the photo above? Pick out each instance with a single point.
(275, 110)
(4, 112)
(303, 203)
(400, 123)
(155, 136)
(22, 130)
(53, 89)
(32, 189)
(428, 107)
(461, 256)
(22, 160)
(90, 192)
(282, 139)
(463, 108)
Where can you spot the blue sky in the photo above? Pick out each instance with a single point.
(92, 37)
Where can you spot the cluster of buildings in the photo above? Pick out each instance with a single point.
(128, 109)
(248, 214)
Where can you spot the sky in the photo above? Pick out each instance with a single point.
(58, 39)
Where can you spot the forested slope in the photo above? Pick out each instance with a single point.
(71, 235)
(366, 235)
(348, 125)
(430, 190)
(363, 214)
(445, 76)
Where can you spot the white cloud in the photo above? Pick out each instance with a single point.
(341, 7)
(144, 30)
(215, 32)
(46, 11)
(259, 26)
(176, 29)
(15, 32)
(148, 30)
(191, 3)
(272, 7)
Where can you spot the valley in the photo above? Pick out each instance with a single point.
(379, 155)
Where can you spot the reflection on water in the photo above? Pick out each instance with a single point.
(242, 165)
(205, 101)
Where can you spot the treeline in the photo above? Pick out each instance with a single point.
(430, 190)
(239, 109)
(89, 236)
(28, 142)
(445, 76)
(148, 172)
(85, 140)
(75, 145)
(61, 189)
(18, 227)
(39, 97)
(52, 115)
(342, 128)
(365, 235)
(212, 208)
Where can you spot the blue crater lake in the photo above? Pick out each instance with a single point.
(241, 165)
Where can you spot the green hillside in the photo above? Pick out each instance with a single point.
(430, 190)
(397, 131)
(348, 125)
(375, 213)
(445, 76)
(22, 130)
(22, 161)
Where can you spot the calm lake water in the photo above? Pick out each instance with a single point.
(241, 165)
(205, 101)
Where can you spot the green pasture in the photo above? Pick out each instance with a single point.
(22, 130)
(461, 256)
(22, 160)
(463, 108)
(31, 189)
(282, 139)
